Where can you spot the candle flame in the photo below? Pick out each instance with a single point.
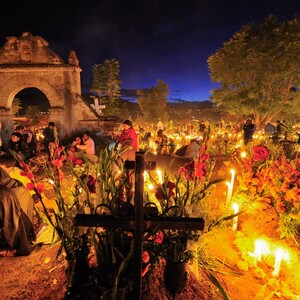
(243, 154)
(235, 207)
(150, 186)
(261, 248)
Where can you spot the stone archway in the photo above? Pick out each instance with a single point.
(27, 61)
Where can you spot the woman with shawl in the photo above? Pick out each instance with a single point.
(128, 141)
(16, 214)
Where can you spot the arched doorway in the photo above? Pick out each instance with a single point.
(31, 97)
(42, 69)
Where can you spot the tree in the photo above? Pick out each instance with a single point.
(16, 106)
(153, 102)
(106, 83)
(259, 70)
(33, 112)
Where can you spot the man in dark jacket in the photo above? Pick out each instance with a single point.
(248, 129)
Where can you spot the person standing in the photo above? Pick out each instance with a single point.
(50, 141)
(248, 129)
(270, 129)
(281, 133)
(128, 141)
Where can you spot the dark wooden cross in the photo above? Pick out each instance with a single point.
(139, 223)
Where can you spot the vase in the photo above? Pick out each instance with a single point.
(175, 276)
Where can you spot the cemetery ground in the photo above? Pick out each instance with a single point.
(227, 254)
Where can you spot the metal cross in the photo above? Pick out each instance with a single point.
(139, 223)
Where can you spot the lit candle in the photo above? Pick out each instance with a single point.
(279, 255)
(232, 181)
(261, 248)
(159, 175)
(145, 176)
(230, 187)
(235, 207)
(228, 192)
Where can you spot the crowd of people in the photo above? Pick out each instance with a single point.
(17, 204)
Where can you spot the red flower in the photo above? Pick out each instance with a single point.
(159, 194)
(58, 150)
(78, 161)
(145, 257)
(187, 170)
(61, 175)
(29, 175)
(260, 153)
(145, 270)
(40, 187)
(30, 186)
(58, 163)
(200, 169)
(90, 182)
(171, 186)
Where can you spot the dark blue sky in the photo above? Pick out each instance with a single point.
(155, 39)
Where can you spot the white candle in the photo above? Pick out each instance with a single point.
(228, 192)
(232, 181)
(235, 207)
(261, 248)
(230, 186)
(159, 175)
(279, 255)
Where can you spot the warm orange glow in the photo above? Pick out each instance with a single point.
(235, 207)
(280, 254)
(243, 154)
(261, 248)
(159, 174)
(150, 186)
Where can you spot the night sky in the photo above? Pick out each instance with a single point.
(160, 39)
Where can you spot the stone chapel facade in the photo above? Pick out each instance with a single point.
(27, 62)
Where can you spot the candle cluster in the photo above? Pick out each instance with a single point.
(262, 247)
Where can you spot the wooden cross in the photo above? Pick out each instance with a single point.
(97, 106)
(139, 223)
